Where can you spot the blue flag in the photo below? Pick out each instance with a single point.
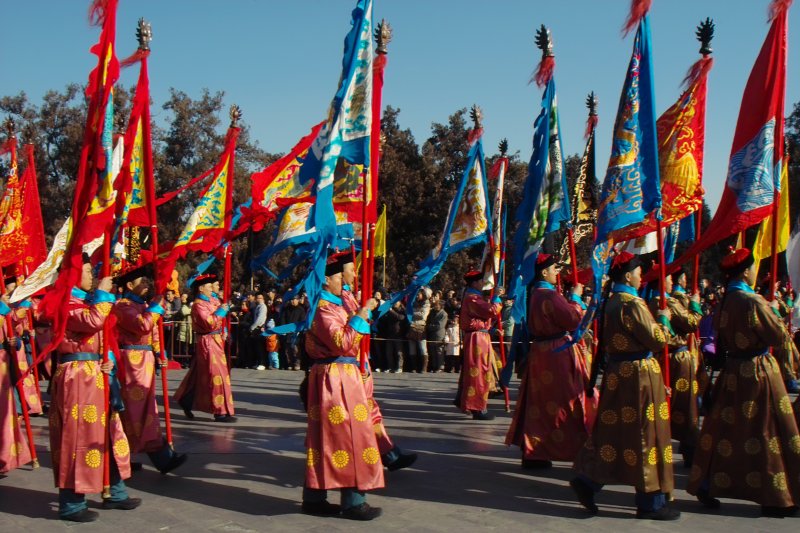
(545, 205)
(468, 223)
(345, 135)
(631, 189)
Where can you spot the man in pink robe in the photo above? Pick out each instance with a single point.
(137, 335)
(78, 415)
(207, 385)
(392, 456)
(341, 448)
(550, 420)
(477, 378)
(14, 449)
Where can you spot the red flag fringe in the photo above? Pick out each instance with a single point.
(98, 10)
(698, 70)
(591, 124)
(778, 7)
(474, 135)
(5, 147)
(544, 71)
(494, 172)
(639, 9)
(137, 56)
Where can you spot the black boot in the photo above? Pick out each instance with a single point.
(778, 512)
(84, 515)
(362, 512)
(585, 494)
(322, 508)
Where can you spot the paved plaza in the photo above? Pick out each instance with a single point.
(248, 476)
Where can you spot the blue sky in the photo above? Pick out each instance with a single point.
(280, 60)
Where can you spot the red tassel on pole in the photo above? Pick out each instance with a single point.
(778, 8)
(639, 9)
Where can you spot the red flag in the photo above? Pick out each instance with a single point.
(753, 182)
(22, 233)
(136, 175)
(93, 203)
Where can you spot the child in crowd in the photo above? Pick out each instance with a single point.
(452, 339)
(272, 347)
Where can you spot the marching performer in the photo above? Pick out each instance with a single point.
(78, 414)
(21, 348)
(749, 445)
(14, 450)
(342, 450)
(137, 335)
(683, 364)
(207, 385)
(392, 456)
(551, 421)
(630, 443)
(477, 378)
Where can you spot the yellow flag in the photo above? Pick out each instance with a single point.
(380, 235)
(763, 245)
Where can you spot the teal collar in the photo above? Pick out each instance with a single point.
(621, 287)
(740, 285)
(541, 284)
(132, 297)
(330, 297)
(79, 293)
(680, 289)
(470, 290)
(203, 297)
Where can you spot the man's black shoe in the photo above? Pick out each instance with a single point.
(228, 419)
(362, 512)
(778, 512)
(477, 415)
(174, 462)
(707, 500)
(536, 464)
(123, 505)
(663, 514)
(322, 508)
(84, 515)
(499, 393)
(188, 412)
(403, 461)
(585, 494)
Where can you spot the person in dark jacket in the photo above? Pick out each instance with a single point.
(292, 343)
(396, 330)
(435, 328)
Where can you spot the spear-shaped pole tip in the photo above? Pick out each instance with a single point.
(236, 115)
(383, 36)
(144, 34)
(476, 114)
(591, 104)
(705, 33)
(544, 41)
(503, 146)
(10, 126)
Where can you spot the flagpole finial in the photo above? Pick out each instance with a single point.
(545, 68)
(503, 146)
(544, 41)
(144, 34)
(705, 33)
(476, 114)
(383, 36)
(236, 115)
(10, 126)
(591, 104)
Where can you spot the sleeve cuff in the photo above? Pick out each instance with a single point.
(578, 300)
(103, 297)
(221, 312)
(694, 307)
(4, 309)
(664, 321)
(359, 324)
(497, 300)
(156, 308)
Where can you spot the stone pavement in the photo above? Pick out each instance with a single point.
(248, 476)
